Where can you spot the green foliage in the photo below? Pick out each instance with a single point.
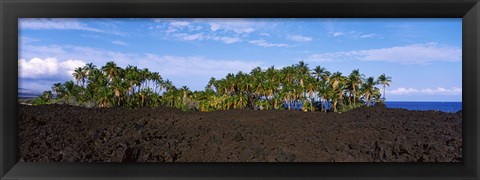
(113, 86)
(43, 99)
(347, 107)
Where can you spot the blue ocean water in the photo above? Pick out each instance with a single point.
(437, 106)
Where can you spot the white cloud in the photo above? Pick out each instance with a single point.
(190, 37)
(300, 38)
(179, 23)
(247, 30)
(98, 56)
(264, 43)
(355, 34)
(55, 23)
(264, 34)
(214, 26)
(201, 36)
(326, 57)
(195, 28)
(186, 31)
(27, 40)
(159, 20)
(335, 34)
(372, 35)
(408, 54)
(171, 30)
(228, 30)
(69, 66)
(427, 91)
(174, 26)
(227, 40)
(121, 43)
(234, 25)
(60, 24)
(38, 68)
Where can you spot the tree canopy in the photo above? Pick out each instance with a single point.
(292, 87)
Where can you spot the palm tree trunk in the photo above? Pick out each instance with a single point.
(334, 106)
(311, 104)
(354, 95)
(368, 100)
(287, 100)
(384, 92)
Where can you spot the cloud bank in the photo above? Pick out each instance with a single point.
(227, 31)
(407, 54)
(38, 68)
(427, 91)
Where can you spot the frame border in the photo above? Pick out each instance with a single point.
(11, 10)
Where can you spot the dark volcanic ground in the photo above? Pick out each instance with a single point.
(61, 133)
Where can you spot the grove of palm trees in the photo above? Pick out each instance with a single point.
(292, 87)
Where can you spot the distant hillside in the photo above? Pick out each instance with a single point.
(27, 93)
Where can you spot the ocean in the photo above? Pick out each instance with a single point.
(437, 106)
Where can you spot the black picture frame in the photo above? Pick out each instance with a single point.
(11, 10)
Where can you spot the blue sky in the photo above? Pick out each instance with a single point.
(423, 56)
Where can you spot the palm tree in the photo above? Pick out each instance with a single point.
(168, 85)
(326, 76)
(132, 78)
(111, 70)
(58, 89)
(145, 76)
(302, 71)
(79, 74)
(354, 79)
(185, 91)
(211, 83)
(103, 96)
(230, 83)
(277, 100)
(47, 95)
(69, 90)
(337, 81)
(311, 83)
(89, 67)
(145, 95)
(94, 76)
(385, 81)
(324, 88)
(117, 87)
(369, 89)
(319, 72)
(157, 79)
